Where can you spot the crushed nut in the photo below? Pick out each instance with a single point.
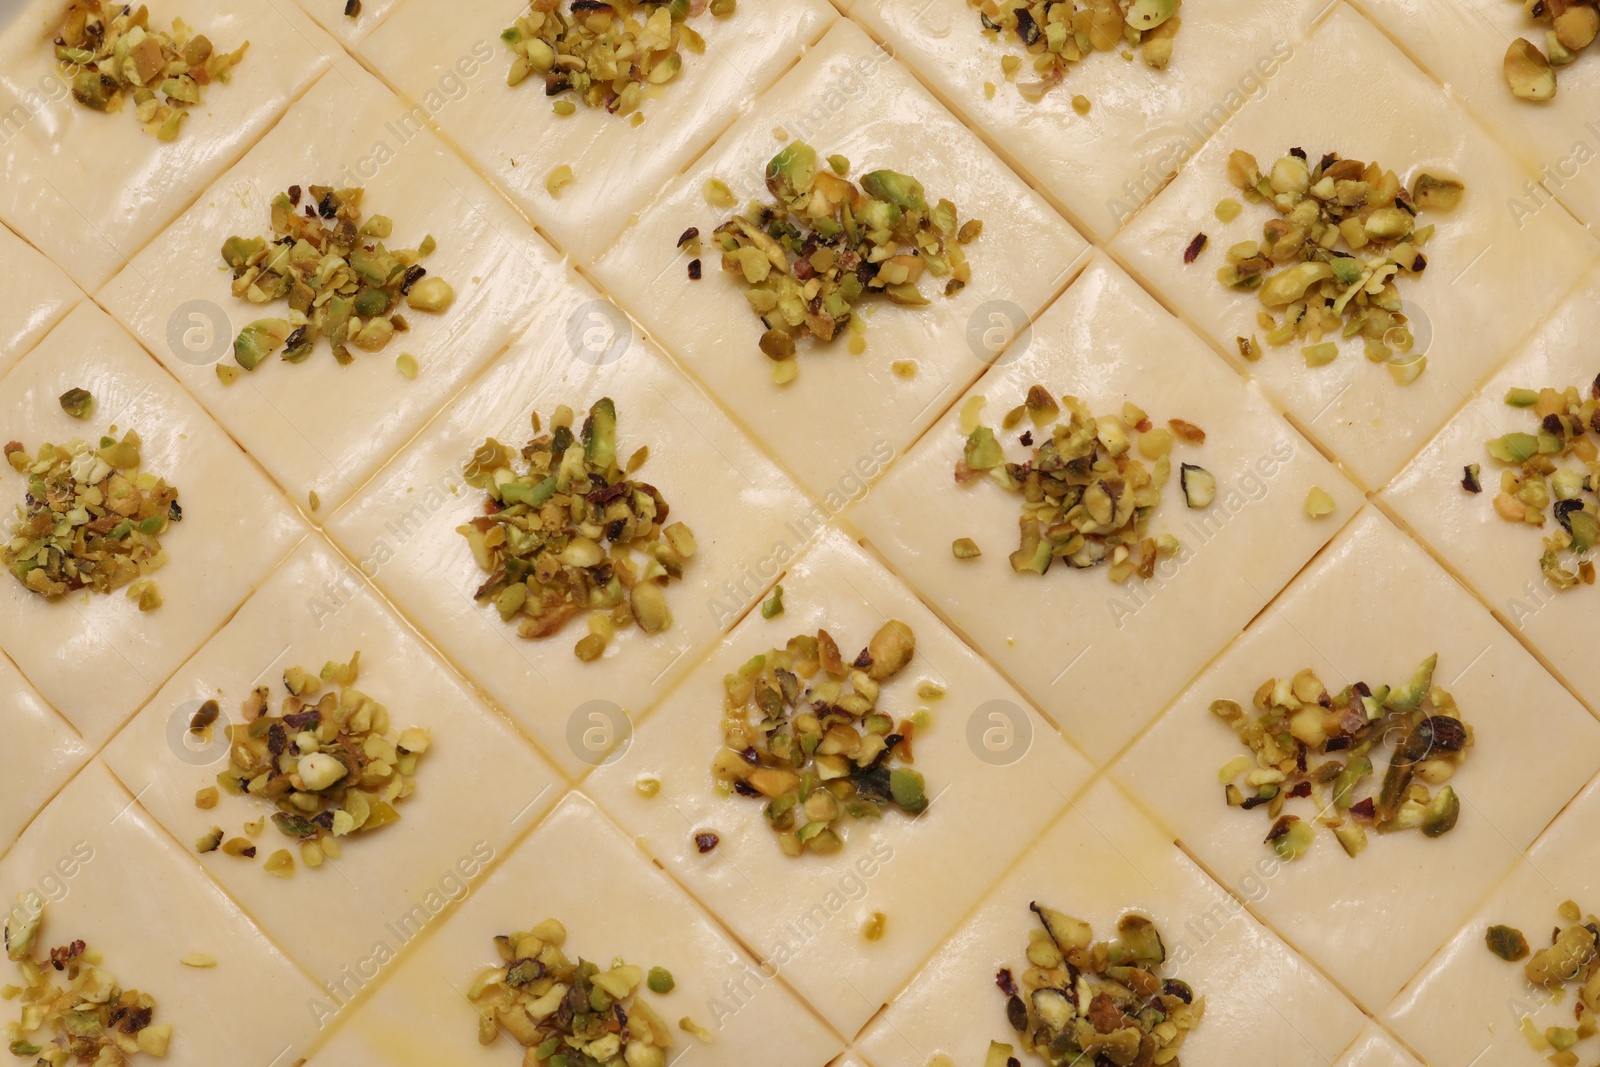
(1086, 499)
(543, 537)
(109, 53)
(1299, 719)
(77, 403)
(815, 754)
(1081, 1000)
(1345, 238)
(1057, 35)
(1552, 471)
(1571, 963)
(1319, 503)
(327, 762)
(772, 607)
(825, 244)
(89, 1018)
(607, 54)
(340, 280)
(91, 519)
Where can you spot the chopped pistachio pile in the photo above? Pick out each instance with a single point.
(88, 1017)
(607, 54)
(816, 753)
(826, 243)
(340, 280)
(543, 537)
(1346, 236)
(1573, 27)
(91, 520)
(1087, 498)
(325, 762)
(1552, 471)
(565, 1013)
(1571, 963)
(1103, 1002)
(1311, 743)
(1059, 33)
(109, 51)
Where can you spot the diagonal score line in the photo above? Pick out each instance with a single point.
(131, 803)
(126, 262)
(531, 803)
(1522, 852)
(500, 630)
(1125, 858)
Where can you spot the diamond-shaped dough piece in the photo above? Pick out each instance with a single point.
(98, 658)
(1488, 279)
(995, 773)
(847, 96)
(742, 509)
(108, 875)
(1465, 47)
(577, 868)
(1101, 860)
(456, 69)
(91, 189)
(349, 30)
(40, 753)
(1469, 1003)
(317, 426)
(1142, 124)
(1102, 659)
(475, 764)
(36, 295)
(1370, 609)
(1376, 1048)
(1500, 559)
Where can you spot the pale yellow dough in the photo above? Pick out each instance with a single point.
(96, 657)
(1368, 610)
(1142, 124)
(805, 915)
(1102, 859)
(743, 510)
(476, 764)
(318, 426)
(512, 133)
(108, 875)
(577, 868)
(91, 189)
(1500, 559)
(1102, 659)
(831, 426)
(1351, 405)
(41, 752)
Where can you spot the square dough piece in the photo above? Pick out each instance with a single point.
(1480, 262)
(40, 753)
(457, 68)
(1464, 46)
(1370, 609)
(613, 903)
(109, 875)
(1101, 860)
(1111, 656)
(476, 764)
(98, 658)
(319, 426)
(91, 189)
(742, 509)
(36, 295)
(996, 773)
(1468, 1002)
(1143, 123)
(846, 96)
(1500, 559)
